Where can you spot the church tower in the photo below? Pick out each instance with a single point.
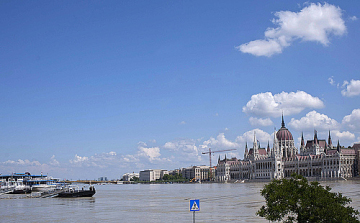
(255, 147)
(246, 153)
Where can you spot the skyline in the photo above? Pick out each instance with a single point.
(92, 89)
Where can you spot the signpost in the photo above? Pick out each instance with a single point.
(194, 206)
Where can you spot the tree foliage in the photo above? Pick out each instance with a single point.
(297, 200)
(175, 177)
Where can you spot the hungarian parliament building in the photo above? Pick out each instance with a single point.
(318, 159)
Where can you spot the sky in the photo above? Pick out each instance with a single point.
(93, 89)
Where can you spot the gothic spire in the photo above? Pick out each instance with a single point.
(302, 139)
(329, 140)
(282, 121)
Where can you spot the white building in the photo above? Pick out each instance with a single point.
(317, 159)
(129, 176)
(152, 175)
(196, 172)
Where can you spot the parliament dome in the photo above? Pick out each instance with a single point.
(284, 133)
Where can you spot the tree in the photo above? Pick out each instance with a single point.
(297, 200)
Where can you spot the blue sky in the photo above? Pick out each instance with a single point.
(93, 88)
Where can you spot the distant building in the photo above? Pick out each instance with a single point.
(196, 172)
(129, 176)
(317, 159)
(152, 175)
(102, 179)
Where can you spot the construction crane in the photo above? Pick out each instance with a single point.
(211, 152)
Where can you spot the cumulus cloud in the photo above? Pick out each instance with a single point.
(267, 104)
(261, 47)
(352, 120)
(79, 159)
(314, 120)
(316, 22)
(248, 137)
(152, 153)
(220, 142)
(260, 121)
(343, 136)
(352, 88)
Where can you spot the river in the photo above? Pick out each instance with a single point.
(155, 203)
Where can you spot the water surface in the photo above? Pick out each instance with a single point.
(155, 203)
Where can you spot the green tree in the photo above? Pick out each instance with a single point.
(297, 200)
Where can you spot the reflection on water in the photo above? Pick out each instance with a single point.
(154, 203)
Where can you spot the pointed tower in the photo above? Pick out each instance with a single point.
(338, 148)
(255, 147)
(302, 146)
(282, 121)
(315, 138)
(268, 149)
(329, 141)
(246, 154)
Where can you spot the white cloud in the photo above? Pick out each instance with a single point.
(23, 162)
(331, 80)
(101, 160)
(352, 88)
(261, 47)
(343, 136)
(79, 159)
(184, 149)
(353, 18)
(260, 121)
(314, 120)
(219, 143)
(352, 120)
(248, 137)
(266, 104)
(152, 153)
(182, 123)
(130, 159)
(53, 161)
(316, 22)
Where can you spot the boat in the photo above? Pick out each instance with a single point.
(20, 187)
(14, 187)
(75, 191)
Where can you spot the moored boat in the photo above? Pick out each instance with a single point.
(74, 191)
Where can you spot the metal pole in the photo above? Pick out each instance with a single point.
(194, 216)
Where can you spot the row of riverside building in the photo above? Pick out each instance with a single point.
(195, 173)
(318, 159)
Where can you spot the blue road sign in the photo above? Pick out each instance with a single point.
(194, 205)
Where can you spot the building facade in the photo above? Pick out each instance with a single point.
(197, 173)
(317, 159)
(129, 176)
(152, 175)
